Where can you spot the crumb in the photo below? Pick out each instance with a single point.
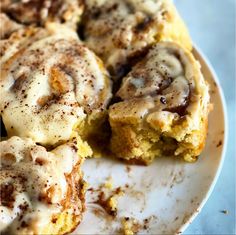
(109, 183)
(130, 226)
(112, 202)
(109, 202)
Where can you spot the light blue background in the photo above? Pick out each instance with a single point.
(212, 26)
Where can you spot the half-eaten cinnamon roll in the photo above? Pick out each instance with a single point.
(164, 107)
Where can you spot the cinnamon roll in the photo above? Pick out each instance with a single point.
(39, 12)
(41, 192)
(51, 86)
(120, 30)
(164, 107)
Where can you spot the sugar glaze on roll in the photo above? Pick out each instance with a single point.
(164, 107)
(50, 83)
(119, 31)
(41, 192)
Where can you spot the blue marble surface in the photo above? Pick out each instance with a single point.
(212, 26)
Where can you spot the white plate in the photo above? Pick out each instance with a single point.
(168, 193)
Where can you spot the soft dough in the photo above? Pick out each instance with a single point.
(164, 107)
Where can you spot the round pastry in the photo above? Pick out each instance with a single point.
(120, 30)
(38, 12)
(164, 107)
(51, 85)
(41, 192)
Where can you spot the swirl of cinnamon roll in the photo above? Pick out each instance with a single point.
(164, 107)
(41, 192)
(121, 30)
(38, 12)
(50, 84)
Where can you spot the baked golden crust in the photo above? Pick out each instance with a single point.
(40, 12)
(41, 192)
(118, 30)
(50, 83)
(164, 109)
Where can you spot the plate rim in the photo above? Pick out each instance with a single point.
(215, 77)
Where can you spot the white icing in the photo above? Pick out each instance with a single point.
(112, 28)
(170, 83)
(32, 172)
(160, 74)
(51, 86)
(40, 12)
